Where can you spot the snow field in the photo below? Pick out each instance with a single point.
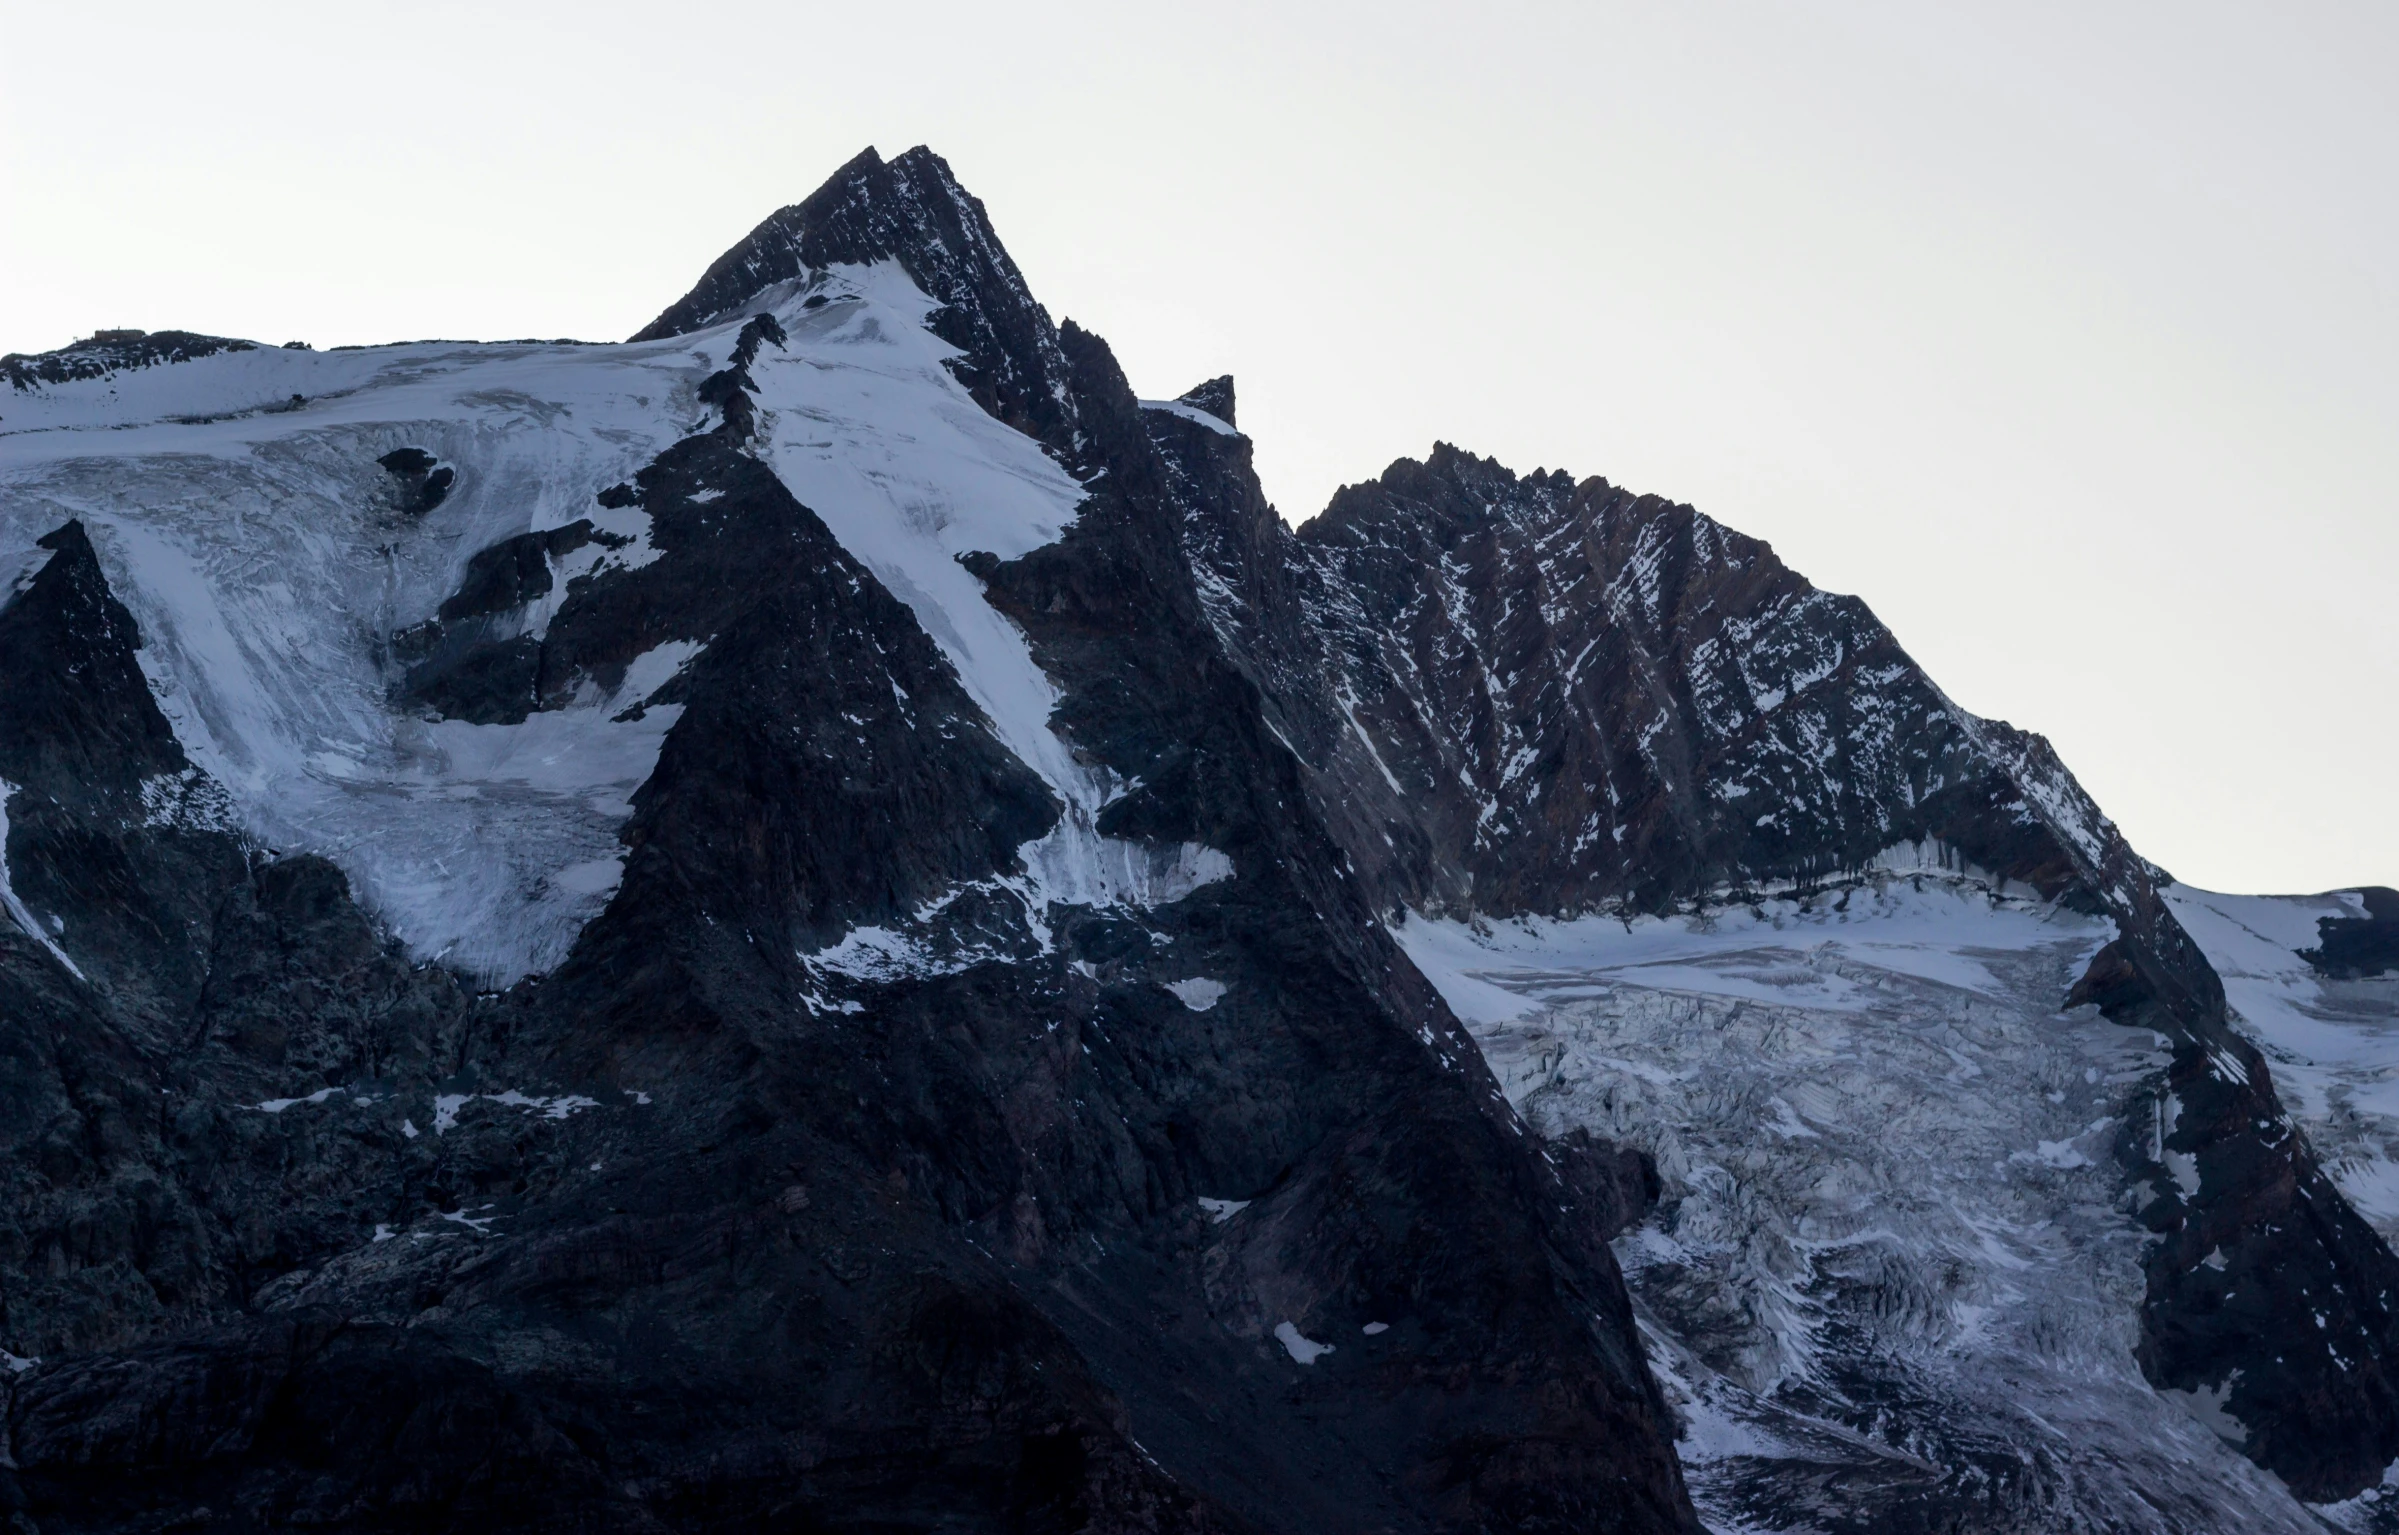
(260, 551)
(1889, 1192)
(861, 420)
(257, 543)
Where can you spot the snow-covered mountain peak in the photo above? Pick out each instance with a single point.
(910, 210)
(241, 503)
(824, 915)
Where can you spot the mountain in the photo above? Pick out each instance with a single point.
(823, 920)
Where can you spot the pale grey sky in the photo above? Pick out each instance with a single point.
(2065, 334)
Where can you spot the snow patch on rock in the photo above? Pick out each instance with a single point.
(446, 1106)
(2207, 1405)
(1192, 414)
(16, 908)
(1199, 994)
(866, 425)
(1303, 1349)
(278, 1105)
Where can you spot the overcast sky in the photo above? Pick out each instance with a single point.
(2065, 334)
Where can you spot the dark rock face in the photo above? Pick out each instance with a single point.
(1015, 1230)
(112, 835)
(422, 484)
(1537, 696)
(110, 352)
(1215, 397)
(828, 769)
(1362, 1188)
(696, 1234)
(1533, 696)
(79, 718)
(512, 573)
(180, 972)
(1618, 1184)
(2255, 1235)
(156, 1193)
(731, 390)
(2355, 947)
(910, 210)
(865, 778)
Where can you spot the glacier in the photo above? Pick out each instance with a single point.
(237, 508)
(1604, 773)
(1894, 1252)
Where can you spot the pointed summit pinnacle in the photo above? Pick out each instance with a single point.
(912, 211)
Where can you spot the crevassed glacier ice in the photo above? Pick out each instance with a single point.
(1895, 1268)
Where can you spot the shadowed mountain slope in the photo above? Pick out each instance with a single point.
(822, 920)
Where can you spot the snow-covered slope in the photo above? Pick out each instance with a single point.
(2334, 1041)
(981, 1054)
(238, 506)
(1893, 1236)
(862, 421)
(237, 502)
(965, 851)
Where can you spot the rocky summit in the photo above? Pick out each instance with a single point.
(823, 921)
